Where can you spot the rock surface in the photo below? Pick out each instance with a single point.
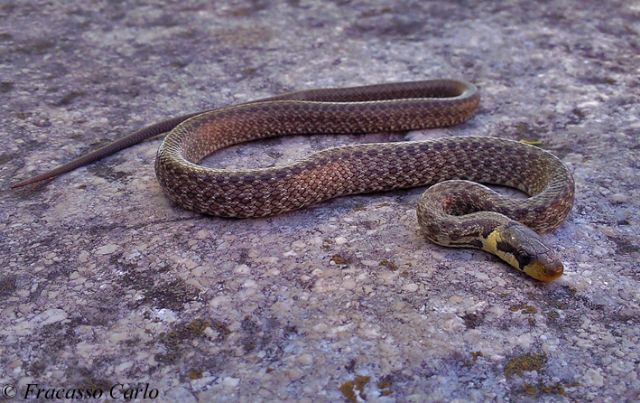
(104, 281)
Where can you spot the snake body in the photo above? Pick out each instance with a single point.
(455, 213)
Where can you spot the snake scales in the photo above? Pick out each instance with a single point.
(455, 213)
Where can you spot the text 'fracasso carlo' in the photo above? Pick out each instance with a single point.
(118, 391)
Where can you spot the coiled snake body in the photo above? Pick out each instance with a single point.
(455, 213)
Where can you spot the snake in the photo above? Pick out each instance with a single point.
(457, 209)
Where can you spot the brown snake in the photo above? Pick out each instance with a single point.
(455, 213)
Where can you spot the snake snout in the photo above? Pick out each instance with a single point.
(544, 267)
(549, 272)
(525, 250)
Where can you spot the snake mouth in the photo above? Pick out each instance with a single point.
(544, 271)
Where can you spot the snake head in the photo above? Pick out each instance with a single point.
(525, 250)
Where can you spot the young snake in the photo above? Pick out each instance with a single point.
(455, 213)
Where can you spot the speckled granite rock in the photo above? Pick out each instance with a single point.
(105, 281)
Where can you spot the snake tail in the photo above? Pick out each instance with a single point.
(105, 151)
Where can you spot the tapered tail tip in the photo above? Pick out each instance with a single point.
(26, 182)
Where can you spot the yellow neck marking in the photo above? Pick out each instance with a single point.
(490, 244)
